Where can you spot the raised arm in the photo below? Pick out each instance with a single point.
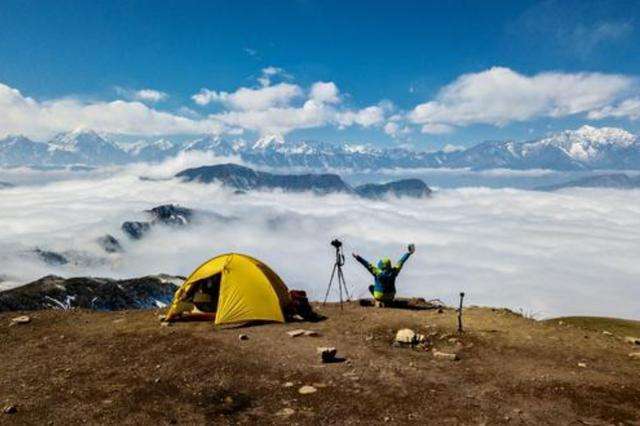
(405, 256)
(372, 269)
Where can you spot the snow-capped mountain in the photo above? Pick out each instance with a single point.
(152, 151)
(586, 148)
(85, 147)
(76, 147)
(21, 151)
(582, 149)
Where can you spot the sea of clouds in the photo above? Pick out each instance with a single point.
(563, 253)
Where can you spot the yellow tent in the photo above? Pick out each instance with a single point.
(231, 288)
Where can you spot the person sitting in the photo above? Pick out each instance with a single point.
(384, 288)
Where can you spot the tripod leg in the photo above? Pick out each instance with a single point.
(340, 286)
(330, 281)
(343, 283)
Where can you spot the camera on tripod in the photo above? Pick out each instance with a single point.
(337, 271)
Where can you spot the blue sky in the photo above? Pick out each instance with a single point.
(402, 72)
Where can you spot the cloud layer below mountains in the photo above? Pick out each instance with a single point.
(573, 252)
(276, 104)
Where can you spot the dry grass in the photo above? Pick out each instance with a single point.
(123, 368)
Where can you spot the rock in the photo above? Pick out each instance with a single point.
(110, 244)
(136, 230)
(328, 354)
(582, 365)
(406, 335)
(607, 333)
(286, 412)
(50, 257)
(306, 390)
(311, 333)
(632, 340)
(23, 319)
(102, 294)
(243, 337)
(295, 333)
(634, 355)
(10, 409)
(288, 384)
(171, 214)
(446, 355)
(165, 324)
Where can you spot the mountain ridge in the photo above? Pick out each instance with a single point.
(586, 148)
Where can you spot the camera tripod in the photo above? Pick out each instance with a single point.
(337, 267)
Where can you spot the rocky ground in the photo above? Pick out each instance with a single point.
(78, 366)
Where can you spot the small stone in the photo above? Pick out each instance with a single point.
(311, 333)
(10, 409)
(632, 340)
(306, 390)
(23, 319)
(228, 400)
(295, 333)
(406, 336)
(327, 354)
(607, 333)
(286, 412)
(634, 355)
(165, 324)
(582, 365)
(319, 385)
(288, 384)
(156, 381)
(446, 355)
(243, 337)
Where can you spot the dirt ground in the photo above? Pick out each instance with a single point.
(82, 367)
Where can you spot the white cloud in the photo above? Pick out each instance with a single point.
(437, 129)
(543, 252)
(394, 129)
(251, 99)
(150, 95)
(143, 95)
(251, 52)
(366, 117)
(500, 95)
(269, 72)
(629, 108)
(325, 92)
(391, 128)
(25, 115)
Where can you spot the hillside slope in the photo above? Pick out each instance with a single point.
(124, 368)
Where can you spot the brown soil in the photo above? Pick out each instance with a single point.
(124, 368)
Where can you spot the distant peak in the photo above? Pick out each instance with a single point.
(595, 135)
(268, 141)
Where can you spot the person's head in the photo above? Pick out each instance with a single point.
(384, 264)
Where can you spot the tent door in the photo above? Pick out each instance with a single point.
(208, 294)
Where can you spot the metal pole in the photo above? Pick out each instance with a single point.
(460, 330)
